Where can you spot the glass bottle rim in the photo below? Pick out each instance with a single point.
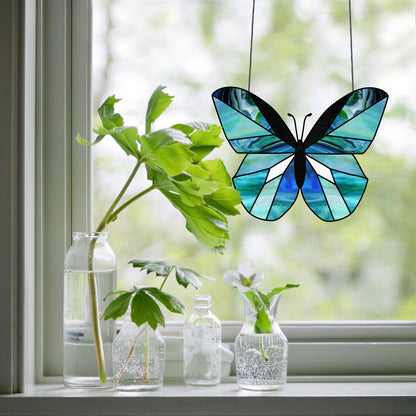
(202, 301)
(79, 235)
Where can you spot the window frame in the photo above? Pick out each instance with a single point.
(63, 195)
(51, 177)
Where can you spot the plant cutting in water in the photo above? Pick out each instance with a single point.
(246, 279)
(144, 301)
(174, 159)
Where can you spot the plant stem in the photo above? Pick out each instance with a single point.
(109, 213)
(130, 201)
(92, 282)
(146, 354)
(164, 281)
(96, 330)
(134, 345)
(128, 358)
(263, 353)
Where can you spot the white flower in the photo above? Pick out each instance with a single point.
(245, 278)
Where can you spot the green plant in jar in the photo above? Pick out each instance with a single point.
(175, 161)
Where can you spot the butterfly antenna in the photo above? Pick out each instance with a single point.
(296, 127)
(304, 121)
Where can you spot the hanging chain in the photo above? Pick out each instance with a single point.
(252, 36)
(251, 44)
(351, 47)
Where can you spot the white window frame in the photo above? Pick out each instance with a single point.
(47, 78)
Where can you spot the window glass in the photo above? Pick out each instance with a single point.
(360, 268)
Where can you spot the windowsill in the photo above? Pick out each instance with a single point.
(174, 398)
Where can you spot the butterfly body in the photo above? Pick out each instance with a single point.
(323, 166)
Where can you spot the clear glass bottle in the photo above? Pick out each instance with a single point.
(138, 357)
(90, 273)
(202, 345)
(261, 358)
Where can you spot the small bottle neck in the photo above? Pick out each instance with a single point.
(202, 304)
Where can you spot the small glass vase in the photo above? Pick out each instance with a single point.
(261, 358)
(90, 273)
(138, 357)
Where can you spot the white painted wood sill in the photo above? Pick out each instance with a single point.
(330, 398)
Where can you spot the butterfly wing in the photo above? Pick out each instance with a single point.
(349, 125)
(333, 186)
(265, 179)
(267, 184)
(334, 181)
(250, 124)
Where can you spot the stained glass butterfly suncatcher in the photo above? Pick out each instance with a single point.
(323, 166)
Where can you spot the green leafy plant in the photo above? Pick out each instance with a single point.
(144, 301)
(246, 279)
(174, 159)
(261, 302)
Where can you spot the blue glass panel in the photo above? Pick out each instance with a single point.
(363, 126)
(237, 125)
(263, 144)
(313, 194)
(257, 162)
(334, 145)
(265, 199)
(249, 187)
(334, 199)
(358, 101)
(286, 194)
(341, 163)
(351, 187)
(241, 100)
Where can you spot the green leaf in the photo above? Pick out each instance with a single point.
(205, 138)
(184, 276)
(87, 143)
(263, 324)
(256, 300)
(193, 185)
(206, 223)
(107, 115)
(167, 151)
(160, 268)
(145, 309)
(158, 103)
(171, 303)
(217, 172)
(263, 298)
(224, 200)
(118, 306)
(277, 290)
(126, 137)
(115, 292)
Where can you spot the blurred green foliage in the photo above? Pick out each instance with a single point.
(361, 268)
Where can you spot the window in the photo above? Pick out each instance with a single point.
(301, 63)
(56, 187)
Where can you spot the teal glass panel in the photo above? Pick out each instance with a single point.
(334, 199)
(363, 126)
(258, 162)
(351, 187)
(313, 194)
(237, 125)
(249, 187)
(265, 199)
(286, 194)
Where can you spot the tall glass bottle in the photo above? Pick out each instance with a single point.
(202, 345)
(90, 273)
